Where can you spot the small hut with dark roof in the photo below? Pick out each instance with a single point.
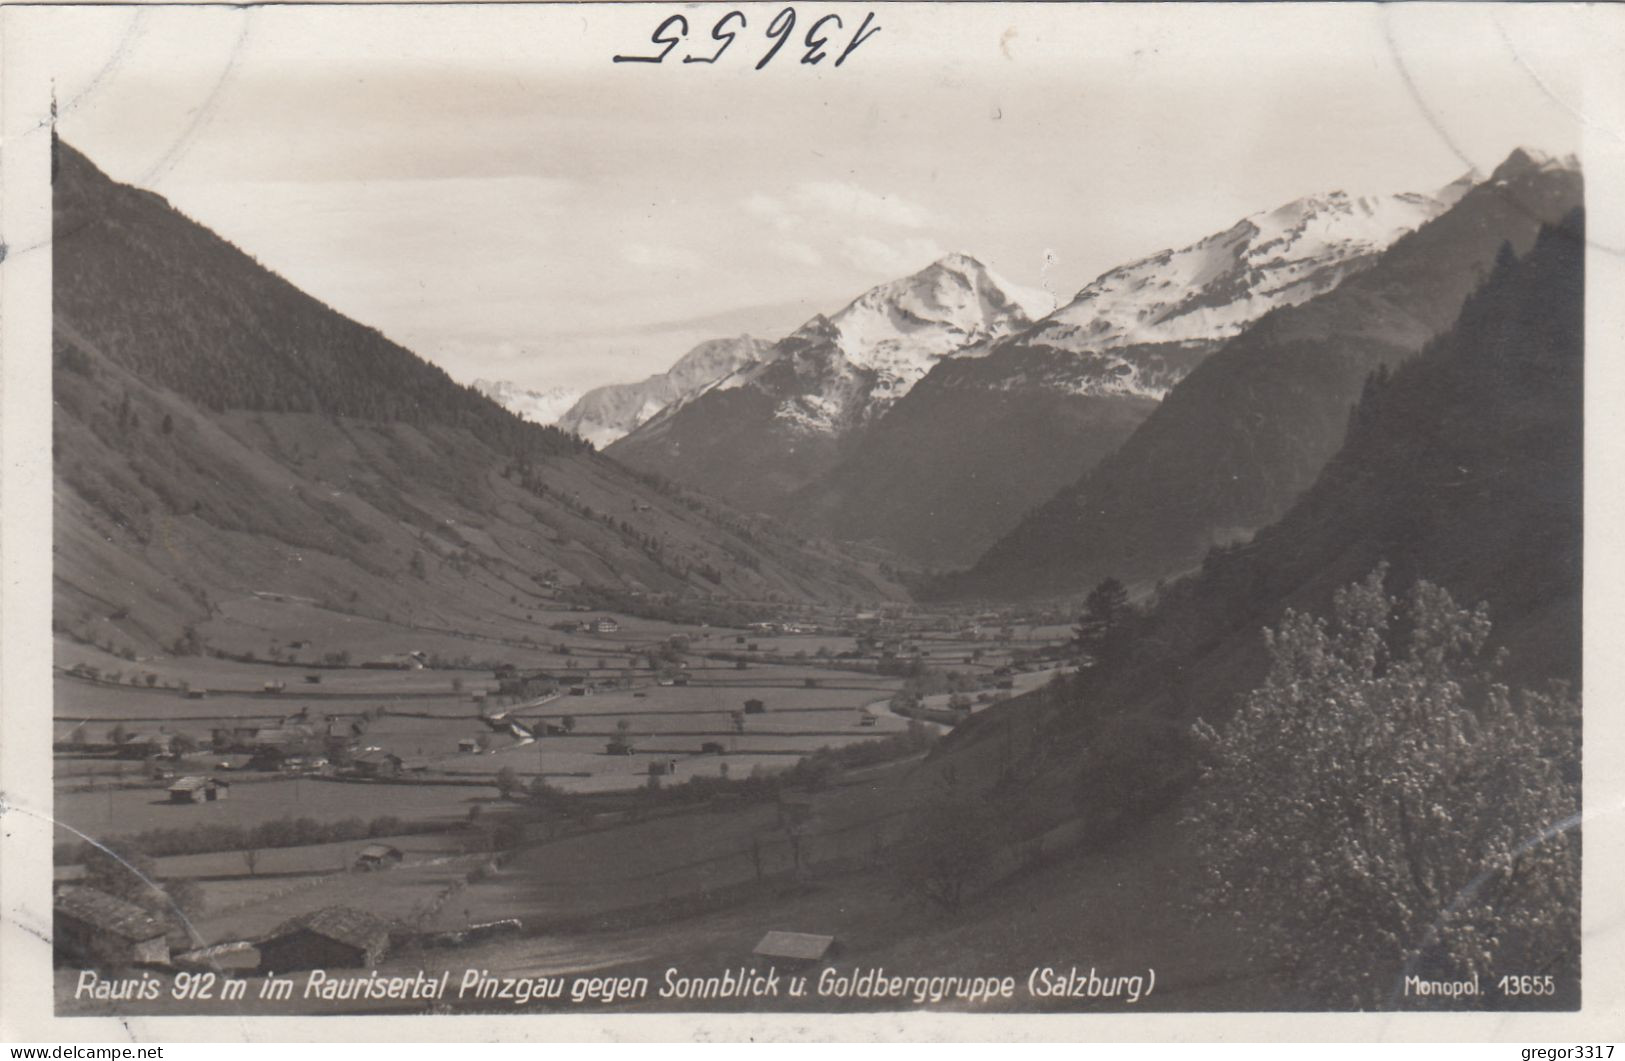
(93, 928)
(378, 856)
(797, 949)
(338, 937)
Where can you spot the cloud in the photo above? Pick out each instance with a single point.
(660, 256)
(845, 199)
(890, 259)
(771, 210)
(798, 252)
(822, 202)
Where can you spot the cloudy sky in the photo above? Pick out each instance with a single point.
(486, 187)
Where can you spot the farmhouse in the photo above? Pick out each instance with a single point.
(755, 707)
(93, 928)
(337, 937)
(297, 738)
(378, 856)
(377, 763)
(468, 744)
(797, 949)
(199, 790)
(269, 759)
(606, 625)
(233, 738)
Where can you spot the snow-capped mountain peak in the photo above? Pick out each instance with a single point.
(1531, 160)
(1194, 297)
(606, 413)
(538, 406)
(896, 331)
(842, 369)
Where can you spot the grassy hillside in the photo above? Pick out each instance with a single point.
(1463, 467)
(219, 433)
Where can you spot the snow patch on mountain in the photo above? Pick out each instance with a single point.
(607, 413)
(537, 406)
(901, 328)
(1209, 291)
(838, 371)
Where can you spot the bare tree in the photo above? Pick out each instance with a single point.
(949, 843)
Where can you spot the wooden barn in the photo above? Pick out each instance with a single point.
(755, 707)
(378, 856)
(94, 929)
(337, 937)
(199, 790)
(376, 763)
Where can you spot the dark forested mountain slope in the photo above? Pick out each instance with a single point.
(959, 460)
(995, 429)
(1237, 441)
(244, 338)
(778, 425)
(1463, 466)
(219, 433)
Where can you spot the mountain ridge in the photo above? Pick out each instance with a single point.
(219, 434)
(990, 433)
(764, 431)
(603, 415)
(1232, 445)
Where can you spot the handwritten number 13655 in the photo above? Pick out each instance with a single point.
(675, 29)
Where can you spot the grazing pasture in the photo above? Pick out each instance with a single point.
(122, 811)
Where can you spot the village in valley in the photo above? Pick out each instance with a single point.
(314, 790)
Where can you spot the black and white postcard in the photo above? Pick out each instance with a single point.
(738, 514)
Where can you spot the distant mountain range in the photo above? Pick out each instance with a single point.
(605, 414)
(219, 433)
(776, 425)
(1175, 404)
(933, 412)
(537, 406)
